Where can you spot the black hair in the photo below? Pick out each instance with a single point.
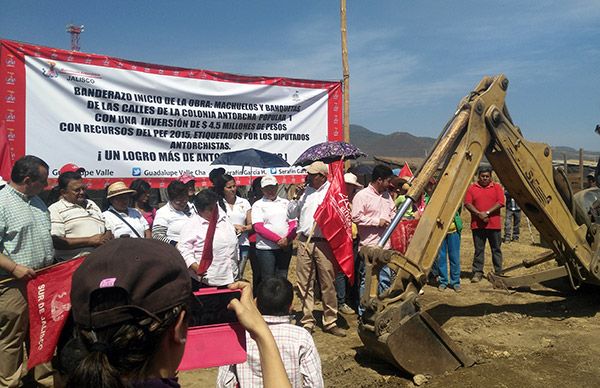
(141, 187)
(27, 166)
(483, 169)
(220, 182)
(63, 183)
(274, 296)
(116, 355)
(381, 171)
(205, 200)
(176, 189)
(215, 173)
(255, 193)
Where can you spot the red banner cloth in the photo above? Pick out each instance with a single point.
(402, 235)
(334, 219)
(5, 159)
(49, 298)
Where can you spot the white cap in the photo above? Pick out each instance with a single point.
(352, 180)
(268, 180)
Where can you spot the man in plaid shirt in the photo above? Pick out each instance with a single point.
(298, 351)
(25, 246)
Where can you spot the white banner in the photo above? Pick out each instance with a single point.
(122, 123)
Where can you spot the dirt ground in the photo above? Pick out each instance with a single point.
(539, 336)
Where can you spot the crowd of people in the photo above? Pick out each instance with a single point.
(206, 238)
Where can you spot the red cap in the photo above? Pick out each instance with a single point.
(70, 167)
(185, 178)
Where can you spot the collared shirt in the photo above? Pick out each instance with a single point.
(71, 220)
(298, 353)
(273, 214)
(120, 228)
(24, 230)
(169, 222)
(368, 207)
(484, 198)
(304, 209)
(237, 214)
(225, 248)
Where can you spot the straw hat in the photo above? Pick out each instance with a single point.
(118, 188)
(352, 180)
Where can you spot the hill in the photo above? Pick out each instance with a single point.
(406, 145)
(397, 144)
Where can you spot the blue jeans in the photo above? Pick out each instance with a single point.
(270, 263)
(512, 221)
(450, 251)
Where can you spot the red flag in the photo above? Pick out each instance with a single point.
(402, 235)
(334, 218)
(49, 298)
(405, 172)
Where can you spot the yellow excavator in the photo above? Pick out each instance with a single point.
(394, 326)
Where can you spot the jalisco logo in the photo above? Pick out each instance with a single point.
(10, 115)
(59, 308)
(10, 97)
(51, 71)
(10, 61)
(10, 78)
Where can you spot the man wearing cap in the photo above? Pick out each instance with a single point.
(314, 257)
(71, 167)
(25, 246)
(77, 222)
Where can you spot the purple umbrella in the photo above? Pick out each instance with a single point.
(328, 152)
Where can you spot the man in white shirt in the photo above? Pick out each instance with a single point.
(194, 236)
(315, 257)
(77, 223)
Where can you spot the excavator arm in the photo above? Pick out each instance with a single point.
(393, 325)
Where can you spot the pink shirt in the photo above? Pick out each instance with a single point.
(368, 207)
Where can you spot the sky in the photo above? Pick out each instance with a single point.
(410, 61)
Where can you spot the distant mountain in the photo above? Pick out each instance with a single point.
(397, 144)
(405, 145)
(572, 153)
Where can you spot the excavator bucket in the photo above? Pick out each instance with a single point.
(417, 345)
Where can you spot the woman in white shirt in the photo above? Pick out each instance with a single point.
(121, 219)
(219, 249)
(238, 211)
(171, 218)
(274, 233)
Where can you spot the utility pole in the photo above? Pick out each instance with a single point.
(346, 70)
